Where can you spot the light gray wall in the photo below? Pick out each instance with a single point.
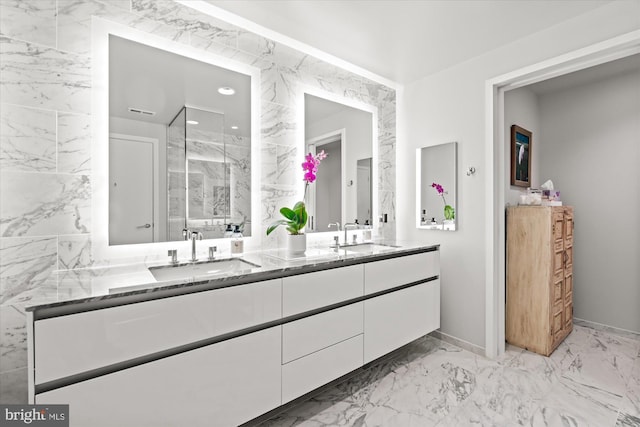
(521, 108)
(451, 106)
(591, 150)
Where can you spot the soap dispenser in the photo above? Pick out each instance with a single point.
(228, 232)
(366, 234)
(237, 244)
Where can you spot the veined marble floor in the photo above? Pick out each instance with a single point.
(592, 379)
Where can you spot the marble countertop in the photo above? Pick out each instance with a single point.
(82, 286)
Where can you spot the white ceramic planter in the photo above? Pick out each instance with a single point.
(296, 244)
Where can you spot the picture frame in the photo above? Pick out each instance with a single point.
(521, 143)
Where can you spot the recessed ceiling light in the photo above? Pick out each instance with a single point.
(234, 127)
(192, 122)
(226, 90)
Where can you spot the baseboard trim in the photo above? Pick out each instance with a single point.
(606, 328)
(458, 342)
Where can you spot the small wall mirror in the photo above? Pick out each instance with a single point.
(344, 189)
(179, 145)
(436, 187)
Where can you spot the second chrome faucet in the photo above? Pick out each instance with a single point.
(194, 236)
(337, 226)
(347, 226)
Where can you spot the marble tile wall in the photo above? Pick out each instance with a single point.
(45, 139)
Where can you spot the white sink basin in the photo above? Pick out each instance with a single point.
(367, 248)
(310, 254)
(224, 267)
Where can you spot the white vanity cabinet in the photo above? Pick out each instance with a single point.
(309, 291)
(227, 355)
(394, 272)
(396, 318)
(77, 343)
(311, 334)
(310, 372)
(225, 384)
(322, 347)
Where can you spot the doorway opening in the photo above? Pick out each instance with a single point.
(133, 192)
(600, 53)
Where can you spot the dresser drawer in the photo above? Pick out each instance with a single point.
(305, 292)
(389, 273)
(310, 372)
(314, 333)
(76, 343)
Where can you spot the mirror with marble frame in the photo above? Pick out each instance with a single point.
(436, 165)
(345, 188)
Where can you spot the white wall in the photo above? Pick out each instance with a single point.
(450, 106)
(591, 150)
(521, 108)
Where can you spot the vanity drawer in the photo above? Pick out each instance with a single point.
(397, 318)
(310, 372)
(225, 384)
(323, 330)
(76, 343)
(305, 292)
(389, 273)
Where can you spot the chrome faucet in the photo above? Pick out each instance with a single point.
(194, 236)
(346, 226)
(337, 226)
(212, 252)
(173, 253)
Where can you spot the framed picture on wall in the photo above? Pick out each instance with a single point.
(520, 156)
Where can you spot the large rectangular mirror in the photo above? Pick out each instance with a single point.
(179, 145)
(436, 187)
(343, 191)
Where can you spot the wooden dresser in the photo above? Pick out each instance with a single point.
(539, 294)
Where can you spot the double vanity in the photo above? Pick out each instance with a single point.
(228, 340)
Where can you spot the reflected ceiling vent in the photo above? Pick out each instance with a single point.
(141, 111)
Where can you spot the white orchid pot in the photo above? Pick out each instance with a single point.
(296, 244)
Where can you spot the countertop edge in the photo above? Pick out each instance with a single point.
(189, 285)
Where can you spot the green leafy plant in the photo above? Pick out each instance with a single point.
(296, 218)
(449, 212)
(295, 221)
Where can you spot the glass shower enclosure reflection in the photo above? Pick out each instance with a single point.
(200, 175)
